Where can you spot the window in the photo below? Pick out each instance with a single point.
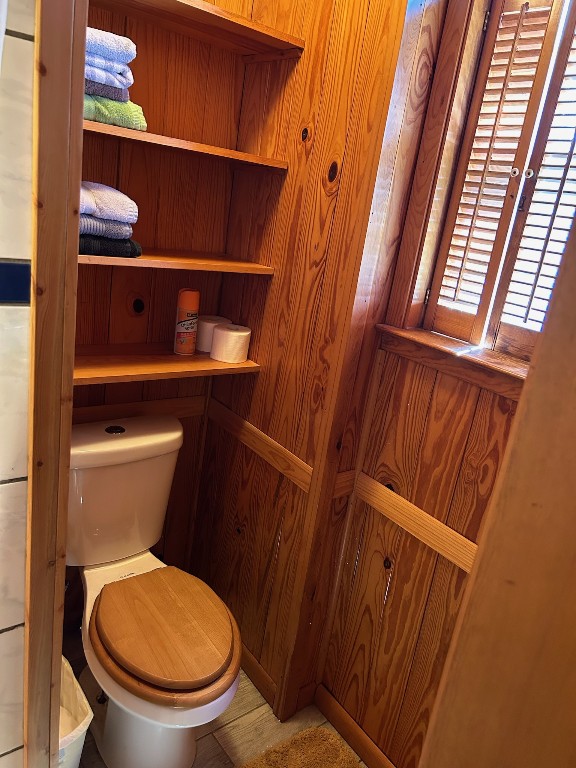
(514, 195)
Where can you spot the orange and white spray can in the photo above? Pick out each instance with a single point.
(186, 322)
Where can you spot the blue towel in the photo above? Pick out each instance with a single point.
(110, 46)
(108, 72)
(117, 230)
(107, 203)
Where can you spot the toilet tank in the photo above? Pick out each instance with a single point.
(120, 477)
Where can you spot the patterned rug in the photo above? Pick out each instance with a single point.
(312, 748)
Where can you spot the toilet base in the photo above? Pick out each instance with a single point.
(127, 741)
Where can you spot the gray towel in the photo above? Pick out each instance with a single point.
(91, 88)
(118, 230)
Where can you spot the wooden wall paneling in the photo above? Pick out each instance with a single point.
(430, 150)
(365, 114)
(481, 463)
(327, 550)
(284, 15)
(507, 693)
(398, 425)
(353, 546)
(322, 591)
(241, 7)
(58, 84)
(180, 516)
(427, 529)
(416, 62)
(93, 302)
(452, 409)
(100, 159)
(383, 612)
(404, 743)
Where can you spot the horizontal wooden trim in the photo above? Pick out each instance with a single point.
(258, 675)
(180, 407)
(194, 262)
(487, 369)
(169, 142)
(350, 731)
(145, 362)
(264, 446)
(442, 539)
(344, 484)
(210, 23)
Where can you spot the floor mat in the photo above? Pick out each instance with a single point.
(312, 748)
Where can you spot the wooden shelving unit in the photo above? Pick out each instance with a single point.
(188, 146)
(211, 24)
(144, 362)
(181, 260)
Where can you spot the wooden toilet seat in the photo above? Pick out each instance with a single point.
(166, 637)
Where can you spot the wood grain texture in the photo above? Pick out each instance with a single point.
(175, 260)
(487, 369)
(422, 525)
(416, 62)
(276, 455)
(444, 599)
(181, 144)
(128, 362)
(58, 55)
(350, 730)
(510, 664)
(214, 24)
(180, 407)
(430, 150)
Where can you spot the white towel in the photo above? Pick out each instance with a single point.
(107, 203)
(107, 72)
(110, 46)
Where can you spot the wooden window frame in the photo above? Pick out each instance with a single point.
(414, 287)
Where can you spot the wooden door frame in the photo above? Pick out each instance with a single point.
(57, 157)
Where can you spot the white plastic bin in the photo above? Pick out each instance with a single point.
(75, 717)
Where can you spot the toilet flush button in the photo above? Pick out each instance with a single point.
(115, 429)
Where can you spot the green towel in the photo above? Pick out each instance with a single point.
(125, 114)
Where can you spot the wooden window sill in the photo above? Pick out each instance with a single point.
(485, 368)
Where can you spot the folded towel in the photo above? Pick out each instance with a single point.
(107, 91)
(125, 114)
(107, 203)
(110, 46)
(90, 225)
(105, 246)
(108, 72)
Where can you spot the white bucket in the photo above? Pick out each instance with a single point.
(75, 717)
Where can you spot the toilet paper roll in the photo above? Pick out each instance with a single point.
(206, 325)
(230, 343)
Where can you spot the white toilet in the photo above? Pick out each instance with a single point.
(160, 644)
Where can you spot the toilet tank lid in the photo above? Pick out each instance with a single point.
(119, 441)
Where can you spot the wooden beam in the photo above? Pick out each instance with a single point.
(416, 522)
(509, 686)
(268, 449)
(59, 83)
(344, 484)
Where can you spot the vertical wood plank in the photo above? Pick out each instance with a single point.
(58, 86)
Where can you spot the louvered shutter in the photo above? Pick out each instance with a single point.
(550, 214)
(502, 117)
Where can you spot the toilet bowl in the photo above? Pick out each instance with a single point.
(163, 651)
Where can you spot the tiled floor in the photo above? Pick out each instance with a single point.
(245, 730)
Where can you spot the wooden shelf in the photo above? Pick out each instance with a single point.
(188, 146)
(196, 262)
(144, 362)
(211, 24)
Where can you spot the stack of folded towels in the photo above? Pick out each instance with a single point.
(106, 216)
(107, 78)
